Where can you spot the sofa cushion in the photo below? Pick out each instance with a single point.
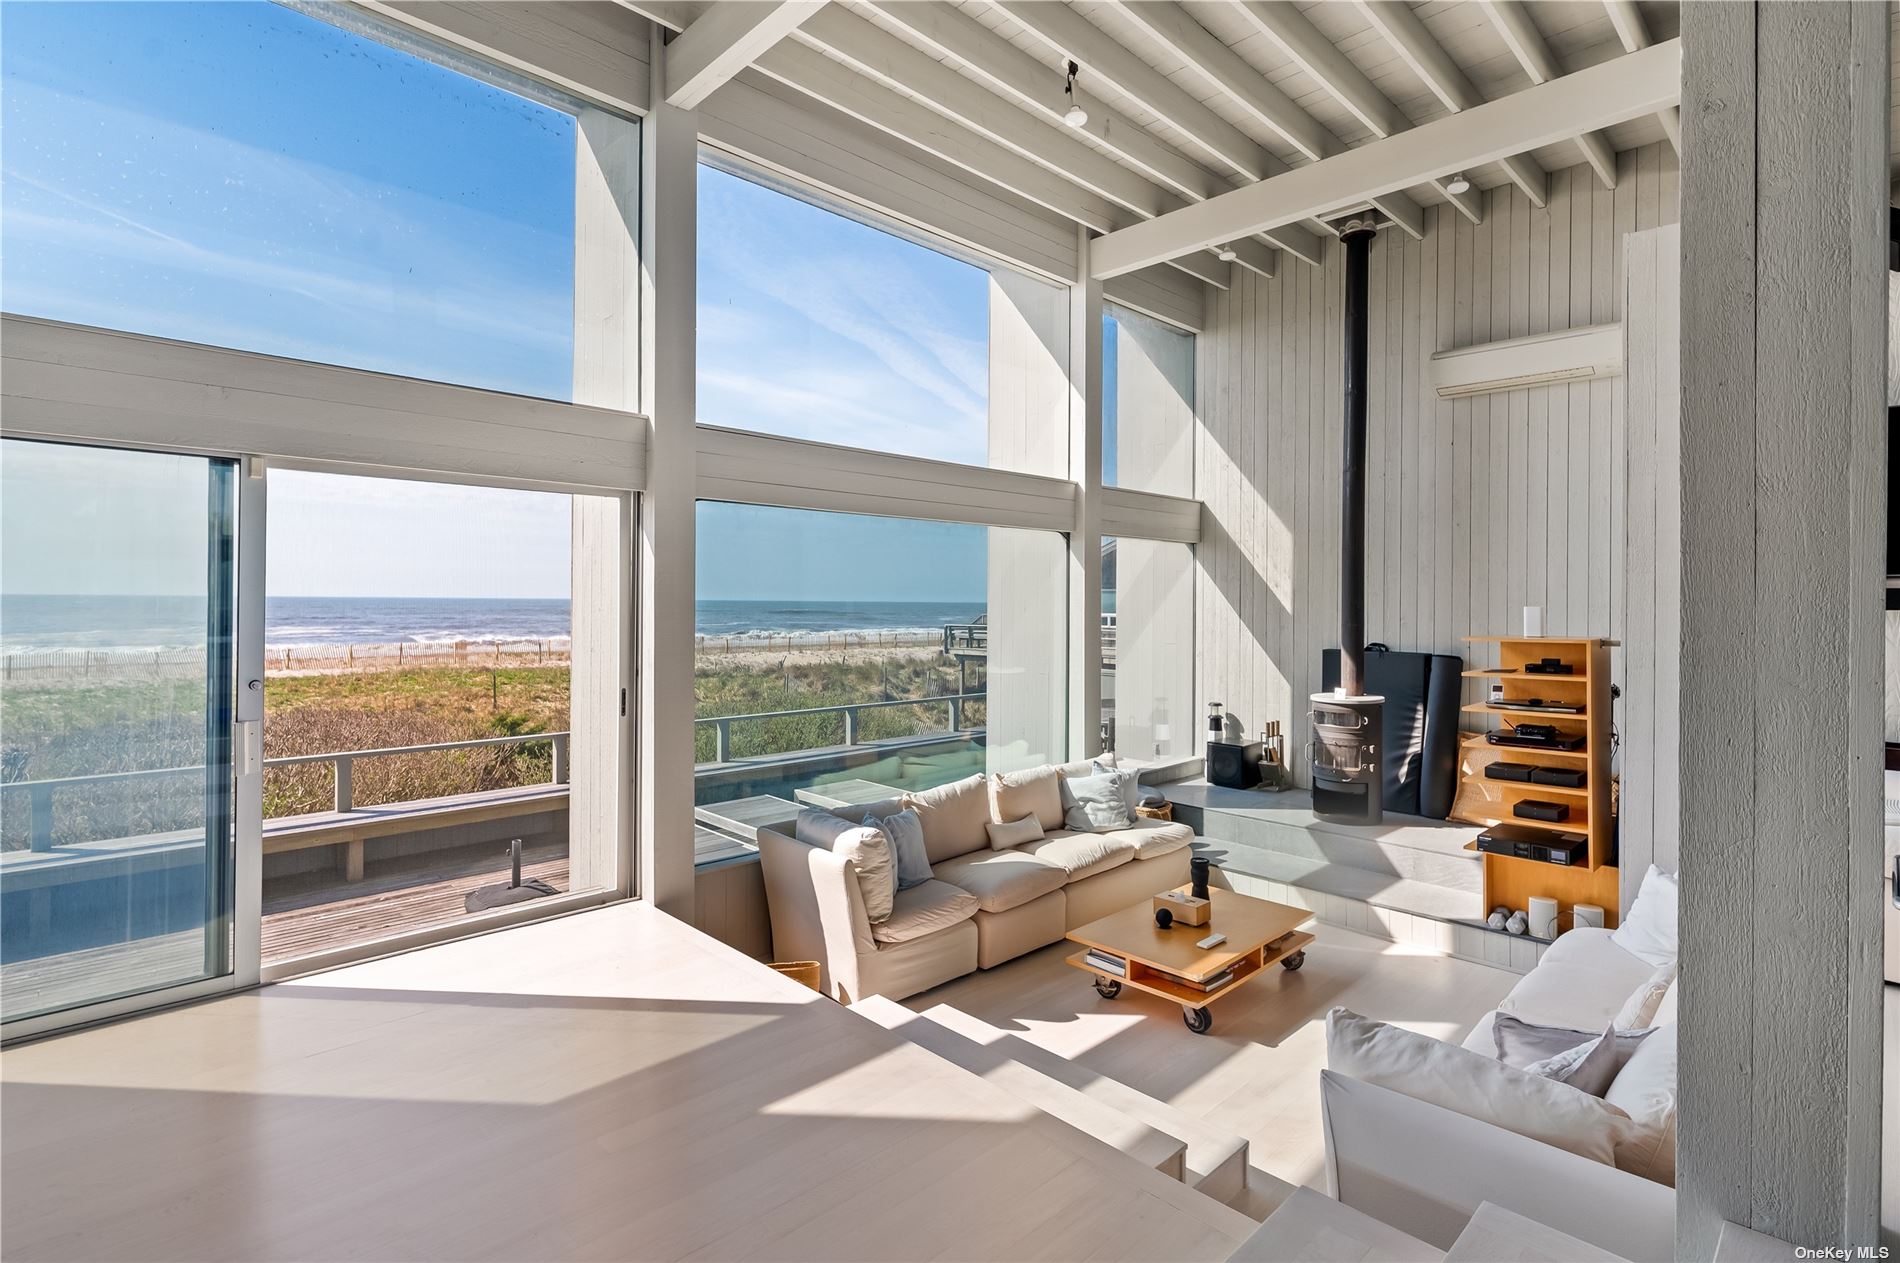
(953, 817)
(1035, 791)
(1086, 767)
(925, 909)
(1478, 1087)
(1001, 880)
(1581, 982)
(1082, 855)
(1645, 1089)
(1154, 838)
(865, 848)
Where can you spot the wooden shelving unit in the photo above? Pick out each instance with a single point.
(1510, 881)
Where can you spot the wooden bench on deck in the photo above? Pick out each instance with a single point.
(351, 829)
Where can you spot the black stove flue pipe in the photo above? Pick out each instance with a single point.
(1357, 238)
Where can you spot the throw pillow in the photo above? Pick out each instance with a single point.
(1467, 1083)
(906, 833)
(1035, 791)
(953, 816)
(1592, 1066)
(1649, 931)
(1014, 832)
(1645, 1089)
(1666, 1011)
(1097, 803)
(1640, 1009)
(1130, 791)
(1522, 1044)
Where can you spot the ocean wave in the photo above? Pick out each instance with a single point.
(809, 634)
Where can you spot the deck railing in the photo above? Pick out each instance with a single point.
(40, 793)
(722, 724)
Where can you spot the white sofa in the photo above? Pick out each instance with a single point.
(982, 907)
(1424, 1169)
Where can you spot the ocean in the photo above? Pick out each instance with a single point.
(145, 624)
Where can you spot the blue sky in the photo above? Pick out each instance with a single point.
(227, 173)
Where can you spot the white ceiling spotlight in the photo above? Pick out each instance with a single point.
(1076, 116)
(1227, 254)
(1458, 184)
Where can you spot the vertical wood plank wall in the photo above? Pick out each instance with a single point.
(1475, 507)
(1651, 617)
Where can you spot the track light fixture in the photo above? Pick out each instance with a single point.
(1458, 184)
(1076, 116)
(1227, 254)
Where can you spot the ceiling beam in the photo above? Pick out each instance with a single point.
(1227, 70)
(1602, 96)
(723, 40)
(1428, 59)
(1513, 21)
(1099, 55)
(870, 50)
(1320, 59)
(1254, 92)
(1634, 32)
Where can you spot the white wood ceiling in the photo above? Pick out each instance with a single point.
(1190, 99)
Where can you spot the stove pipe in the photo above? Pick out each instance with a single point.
(1357, 239)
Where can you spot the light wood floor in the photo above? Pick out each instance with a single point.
(1257, 1072)
(606, 1085)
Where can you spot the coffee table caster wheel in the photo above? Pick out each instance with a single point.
(1108, 988)
(1294, 961)
(1200, 1021)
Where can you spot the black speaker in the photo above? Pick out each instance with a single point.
(1234, 766)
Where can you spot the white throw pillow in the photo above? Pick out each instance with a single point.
(1649, 931)
(1666, 1011)
(1478, 1087)
(864, 847)
(1640, 1009)
(1014, 832)
(1645, 1089)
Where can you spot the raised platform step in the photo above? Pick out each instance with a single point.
(1147, 1145)
(1215, 1160)
(1412, 848)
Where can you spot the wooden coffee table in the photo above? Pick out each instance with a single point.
(1168, 963)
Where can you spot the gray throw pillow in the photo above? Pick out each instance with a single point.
(1094, 804)
(1592, 1067)
(906, 833)
(1131, 791)
(1523, 1044)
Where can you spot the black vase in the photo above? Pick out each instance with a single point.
(1200, 867)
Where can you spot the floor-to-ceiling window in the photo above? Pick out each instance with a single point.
(449, 568)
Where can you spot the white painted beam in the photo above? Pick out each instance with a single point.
(1254, 92)
(1322, 62)
(1428, 59)
(1513, 21)
(1602, 96)
(725, 39)
(1634, 32)
(1068, 33)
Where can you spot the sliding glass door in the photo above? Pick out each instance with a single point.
(118, 710)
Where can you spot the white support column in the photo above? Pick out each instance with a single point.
(601, 787)
(1784, 211)
(1085, 541)
(668, 259)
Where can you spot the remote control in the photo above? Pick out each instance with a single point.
(1212, 940)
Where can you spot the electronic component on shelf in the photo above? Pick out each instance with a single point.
(1520, 842)
(1504, 770)
(1538, 704)
(1567, 777)
(1539, 809)
(1536, 736)
(1549, 666)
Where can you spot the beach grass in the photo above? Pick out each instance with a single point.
(135, 723)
